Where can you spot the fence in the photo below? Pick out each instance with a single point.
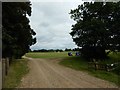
(106, 67)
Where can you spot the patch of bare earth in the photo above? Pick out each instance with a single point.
(46, 73)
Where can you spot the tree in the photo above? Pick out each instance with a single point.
(68, 49)
(17, 35)
(97, 28)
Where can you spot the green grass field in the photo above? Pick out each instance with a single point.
(78, 63)
(47, 54)
(17, 70)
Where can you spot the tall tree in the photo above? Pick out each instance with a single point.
(17, 35)
(97, 28)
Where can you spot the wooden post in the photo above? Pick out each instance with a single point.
(3, 70)
(96, 65)
(6, 65)
(106, 67)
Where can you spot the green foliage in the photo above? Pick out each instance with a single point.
(97, 25)
(16, 31)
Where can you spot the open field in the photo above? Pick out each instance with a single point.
(47, 54)
(79, 63)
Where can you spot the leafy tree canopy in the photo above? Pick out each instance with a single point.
(97, 27)
(17, 35)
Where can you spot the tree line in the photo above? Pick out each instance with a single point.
(55, 50)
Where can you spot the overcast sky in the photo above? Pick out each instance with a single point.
(52, 23)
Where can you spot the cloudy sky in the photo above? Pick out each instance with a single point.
(52, 23)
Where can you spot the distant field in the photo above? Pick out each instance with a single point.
(113, 57)
(48, 54)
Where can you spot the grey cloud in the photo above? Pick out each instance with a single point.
(52, 25)
(44, 24)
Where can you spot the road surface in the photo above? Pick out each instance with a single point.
(47, 73)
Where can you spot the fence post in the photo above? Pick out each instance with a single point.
(3, 70)
(96, 66)
(107, 69)
(6, 65)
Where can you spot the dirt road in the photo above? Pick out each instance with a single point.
(46, 73)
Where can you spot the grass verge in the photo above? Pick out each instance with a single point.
(17, 70)
(79, 63)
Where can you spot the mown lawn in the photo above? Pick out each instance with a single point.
(17, 70)
(79, 63)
